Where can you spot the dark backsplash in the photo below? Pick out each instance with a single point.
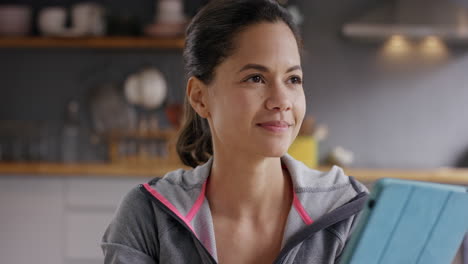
(387, 120)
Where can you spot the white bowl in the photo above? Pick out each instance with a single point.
(51, 21)
(153, 88)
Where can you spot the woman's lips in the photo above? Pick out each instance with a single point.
(275, 126)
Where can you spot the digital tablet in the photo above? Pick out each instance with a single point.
(409, 222)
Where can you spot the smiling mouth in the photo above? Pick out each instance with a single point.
(275, 126)
(275, 123)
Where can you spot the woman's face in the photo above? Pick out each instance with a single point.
(256, 102)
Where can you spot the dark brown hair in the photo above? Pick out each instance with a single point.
(209, 40)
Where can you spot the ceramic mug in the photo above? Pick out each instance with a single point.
(15, 20)
(51, 21)
(88, 19)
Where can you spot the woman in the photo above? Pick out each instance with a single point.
(246, 200)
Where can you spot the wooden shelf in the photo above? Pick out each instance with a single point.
(87, 169)
(93, 42)
(443, 175)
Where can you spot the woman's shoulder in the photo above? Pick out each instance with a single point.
(131, 226)
(186, 178)
(310, 179)
(337, 173)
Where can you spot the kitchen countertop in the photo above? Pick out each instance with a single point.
(443, 175)
(87, 169)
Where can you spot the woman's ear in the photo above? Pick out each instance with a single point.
(197, 94)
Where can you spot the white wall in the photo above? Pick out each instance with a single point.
(409, 118)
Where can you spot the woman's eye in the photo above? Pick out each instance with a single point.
(255, 79)
(296, 80)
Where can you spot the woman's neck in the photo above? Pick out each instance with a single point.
(248, 187)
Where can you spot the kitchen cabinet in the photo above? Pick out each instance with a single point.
(31, 220)
(57, 220)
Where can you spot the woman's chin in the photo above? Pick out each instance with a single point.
(274, 152)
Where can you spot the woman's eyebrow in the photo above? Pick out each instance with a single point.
(293, 68)
(265, 69)
(255, 67)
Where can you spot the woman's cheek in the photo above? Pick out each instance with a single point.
(242, 103)
(301, 100)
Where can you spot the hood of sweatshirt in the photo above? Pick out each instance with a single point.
(315, 193)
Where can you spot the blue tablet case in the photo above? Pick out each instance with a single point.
(409, 222)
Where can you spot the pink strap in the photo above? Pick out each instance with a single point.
(297, 204)
(300, 209)
(171, 207)
(201, 197)
(196, 206)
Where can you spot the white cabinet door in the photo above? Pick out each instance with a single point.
(57, 220)
(84, 231)
(90, 204)
(31, 220)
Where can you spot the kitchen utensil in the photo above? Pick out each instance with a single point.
(174, 114)
(146, 90)
(109, 111)
(132, 89)
(170, 19)
(153, 88)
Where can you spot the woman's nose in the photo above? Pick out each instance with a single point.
(278, 98)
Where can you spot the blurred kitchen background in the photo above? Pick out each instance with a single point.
(91, 97)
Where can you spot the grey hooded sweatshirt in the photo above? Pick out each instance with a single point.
(168, 220)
